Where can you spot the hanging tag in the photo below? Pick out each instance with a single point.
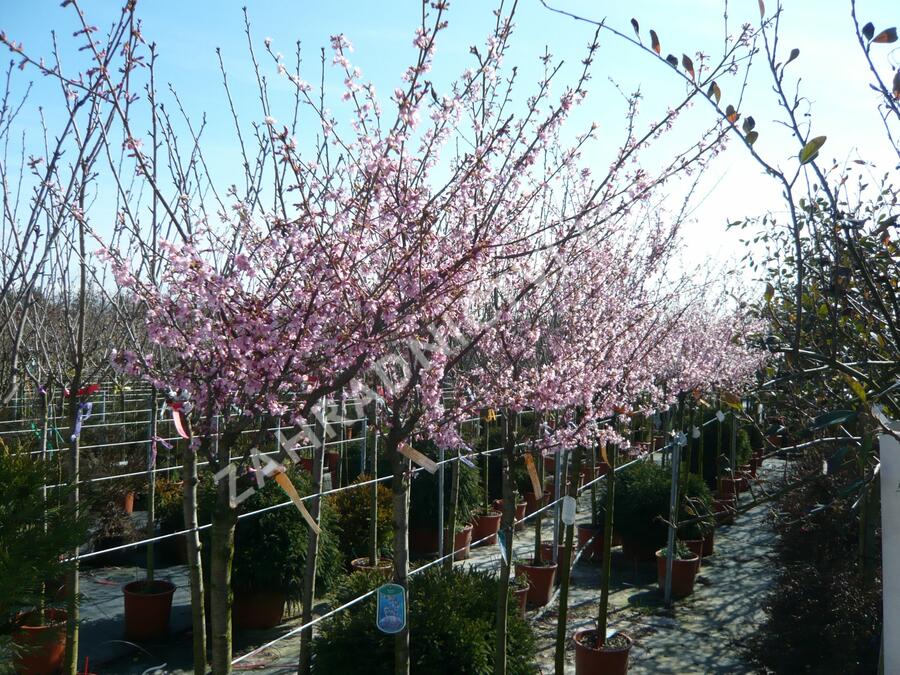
(491, 416)
(532, 474)
(468, 462)
(390, 616)
(282, 479)
(695, 433)
(603, 452)
(178, 419)
(568, 510)
(680, 439)
(417, 457)
(501, 544)
(720, 416)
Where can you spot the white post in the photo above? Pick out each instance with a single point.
(889, 452)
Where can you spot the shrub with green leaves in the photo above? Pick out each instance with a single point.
(642, 495)
(353, 509)
(423, 506)
(270, 548)
(451, 623)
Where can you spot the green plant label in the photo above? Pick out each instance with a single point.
(390, 616)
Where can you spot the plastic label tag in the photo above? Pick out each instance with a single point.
(390, 616)
(568, 510)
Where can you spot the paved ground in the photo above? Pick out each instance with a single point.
(697, 635)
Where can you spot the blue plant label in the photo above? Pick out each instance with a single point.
(501, 544)
(468, 462)
(390, 616)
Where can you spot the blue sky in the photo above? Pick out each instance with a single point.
(834, 73)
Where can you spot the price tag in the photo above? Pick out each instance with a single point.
(282, 479)
(390, 616)
(417, 457)
(568, 510)
(535, 481)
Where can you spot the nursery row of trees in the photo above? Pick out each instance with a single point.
(431, 257)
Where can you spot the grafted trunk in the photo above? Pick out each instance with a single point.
(312, 556)
(565, 571)
(400, 484)
(507, 526)
(195, 565)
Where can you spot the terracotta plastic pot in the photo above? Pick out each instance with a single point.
(306, 464)
(709, 545)
(724, 510)
(532, 503)
(547, 552)
(695, 546)
(603, 661)
(638, 550)
(753, 466)
(683, 574)
(258, 610)
(540, 580)
(595, 547)
(425, 542)
(732, 486)
(384, 565)
(332, 460)
(522, 599)
(40, 649)
(147, 609)
(520, 510)
(485, 527)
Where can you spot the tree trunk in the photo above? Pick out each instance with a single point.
(70, 666)
(195, 565)
(608, 523)
(400, 484)
(565, 571)
(507, 526)
(450, 529)
(151, 484)
(224, 520)
(539, 504)
(373, 513)
(312, 555)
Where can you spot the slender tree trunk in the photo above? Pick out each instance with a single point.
(312, 554)
(450, 529)
(607, 546)
(539, 503)
(565, 571)
(224, 521)
(151, 485)
(507, 526)
(195, 565)
(70, 665)
(400, 484)
(373, 513)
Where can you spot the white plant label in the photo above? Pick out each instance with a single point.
(696, 432)
(568, 510)
(720, 416)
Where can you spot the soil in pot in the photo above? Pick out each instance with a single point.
(147, 609)
(384, 565)
(610, 659)
(683, 574)
(40, 649)
(258, 610)
(485, 527)
(540, 578)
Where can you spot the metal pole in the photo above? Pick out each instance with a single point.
(441, 504)
(557, 479)
(673, 516)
